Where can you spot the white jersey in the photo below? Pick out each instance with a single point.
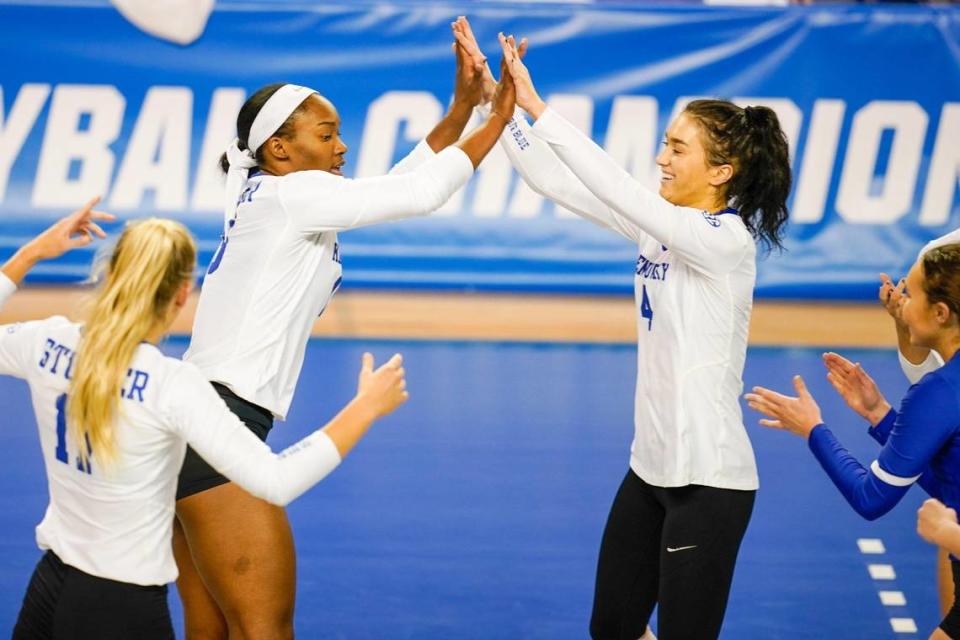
(117, 523)
(694, 292)
(933, 362)
(279, 265)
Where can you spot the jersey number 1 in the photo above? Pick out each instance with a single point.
(646, 311)
(61, 452)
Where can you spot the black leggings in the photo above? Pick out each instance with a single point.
(64, 603)
(675, 548)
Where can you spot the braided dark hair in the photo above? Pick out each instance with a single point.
(751, 141)
(248, 113)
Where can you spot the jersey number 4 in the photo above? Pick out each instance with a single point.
(646, 311)
(61, 452)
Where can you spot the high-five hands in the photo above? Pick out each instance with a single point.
(527, 96)
(469, 85)
(468, 42)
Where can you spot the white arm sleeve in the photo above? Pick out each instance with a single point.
(7, 288)
(546, 174)
(916, 371)
(420, 154)
(709, 244)
(201, 418)
(318, 201)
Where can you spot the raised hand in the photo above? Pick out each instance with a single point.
(468, 43)
(891, 295)
(383, 389)
(468, 86)
(73, 231)
(798, 415)
(527, 96)
(505, 96)
(856, 387)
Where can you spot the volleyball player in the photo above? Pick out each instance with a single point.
(277, 268)
(920, 441)
(676, 524)
(114, 416)
(915, 362)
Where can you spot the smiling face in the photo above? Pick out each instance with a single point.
(916, 311)
(686, 178)
(314, 145)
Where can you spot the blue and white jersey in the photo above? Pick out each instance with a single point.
(694, 282)
(117, 523)
(933, 362)
(279, 265)
(921, 443)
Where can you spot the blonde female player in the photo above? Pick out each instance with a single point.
(675, 526)
(277, 268)
(920, 440)
(114, 416)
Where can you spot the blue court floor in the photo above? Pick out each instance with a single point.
(475, 511)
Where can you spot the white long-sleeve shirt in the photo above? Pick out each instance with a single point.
(914, 372)
(279, 266)
(694, 292)
(117, 523)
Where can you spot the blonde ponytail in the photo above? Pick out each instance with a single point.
(152, 260)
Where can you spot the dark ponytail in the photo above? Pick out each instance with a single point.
(752, 141)
(248, 113)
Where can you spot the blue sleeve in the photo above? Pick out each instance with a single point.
(929, 483)
(866, 493)
(928, 417)
(881, 431)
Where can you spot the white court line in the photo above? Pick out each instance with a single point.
(882, 571)
(871, 545)
(903, 625)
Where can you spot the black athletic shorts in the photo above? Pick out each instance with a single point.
(196, 475)
(951, 623)
(64, 603)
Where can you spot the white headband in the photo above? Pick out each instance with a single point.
(275, 112)
(271, 117)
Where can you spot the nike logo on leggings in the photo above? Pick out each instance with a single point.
(673, 549)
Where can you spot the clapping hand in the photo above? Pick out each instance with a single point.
(798, 415)
(856, 387)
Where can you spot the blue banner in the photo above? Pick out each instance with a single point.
(868, 96)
